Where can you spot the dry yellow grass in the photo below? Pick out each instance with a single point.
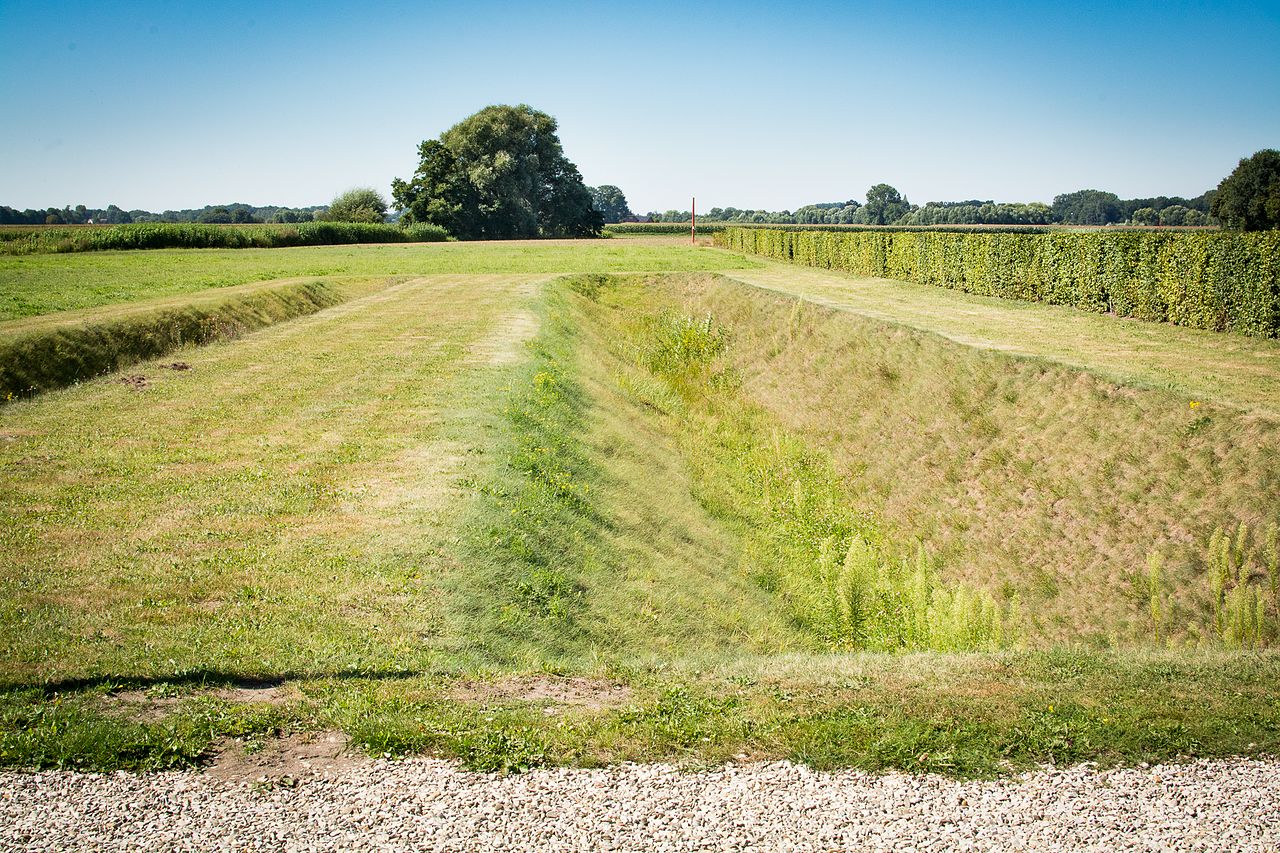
(1022, 475)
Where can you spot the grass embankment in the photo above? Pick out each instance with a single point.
(52, 351)
(41, 284)
(1023, 477)
(430, 526)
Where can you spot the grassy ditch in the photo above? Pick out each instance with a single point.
(1037, 483)
(520, 525)
(60, 350)
(805, 540)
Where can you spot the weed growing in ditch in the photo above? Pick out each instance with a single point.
(1241, 580)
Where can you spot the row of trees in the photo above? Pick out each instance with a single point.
(113, 215)
(886, 206)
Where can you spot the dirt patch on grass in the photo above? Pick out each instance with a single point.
(291, 757)
(146, 707)
(177, 365)
(572, 692)
(134, 380)
(140, 706)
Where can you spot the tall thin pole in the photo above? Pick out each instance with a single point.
(693, 224)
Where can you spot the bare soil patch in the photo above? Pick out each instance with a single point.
(291, 757)
(145, 707)
(140, 706)
(266, 694)
(177, 365)
(591, 694)
(134, 380)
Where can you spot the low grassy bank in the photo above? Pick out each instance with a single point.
(962, 715)
(61, 349)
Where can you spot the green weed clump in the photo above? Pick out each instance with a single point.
(804, 541)
(187, 235)
(1244, 586)
(1222, 281)
(876, 603)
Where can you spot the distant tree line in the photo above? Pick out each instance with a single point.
(112, 215)
(502, 173)
(886, 206)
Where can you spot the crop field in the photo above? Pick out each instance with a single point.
(581, 502)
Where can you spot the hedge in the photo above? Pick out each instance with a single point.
(187, 235)
(661, 228)
(1220, 280)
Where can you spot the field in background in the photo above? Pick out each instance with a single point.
(41, 239)
(487, 511)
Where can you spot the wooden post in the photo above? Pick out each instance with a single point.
(693, 225)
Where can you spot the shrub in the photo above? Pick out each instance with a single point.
(363, 204)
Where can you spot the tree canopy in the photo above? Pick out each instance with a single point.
(498, 174)
(1088, 207)
(1249, 198)
(363, 204)
(885, 206)
(609, 201)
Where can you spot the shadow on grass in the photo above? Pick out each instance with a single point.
(202, 678)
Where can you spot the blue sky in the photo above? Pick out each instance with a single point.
(171, 105)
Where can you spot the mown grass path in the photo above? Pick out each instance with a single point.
(1243, 372)
(271, 509)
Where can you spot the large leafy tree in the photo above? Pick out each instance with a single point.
(498, 174)
(610, 202)
(1249, 198)
(885, 206)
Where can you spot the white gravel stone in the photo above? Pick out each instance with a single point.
(432, 805)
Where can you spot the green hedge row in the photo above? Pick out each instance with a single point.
(1217, 280)
(64, 353)
(186, 235)
(662, 228)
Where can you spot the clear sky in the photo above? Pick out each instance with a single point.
(745, 104)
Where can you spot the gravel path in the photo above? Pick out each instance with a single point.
(431, 805)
